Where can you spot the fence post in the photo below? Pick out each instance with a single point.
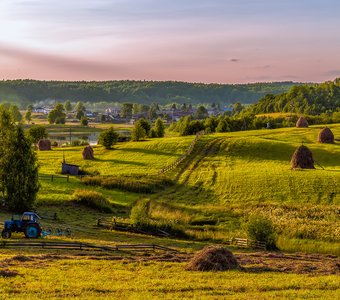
(52, 177)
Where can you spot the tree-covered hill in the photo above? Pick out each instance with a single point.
(28, 91)
(306, 99)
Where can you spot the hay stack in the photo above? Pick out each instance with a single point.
(88, 153)
(44, 145)
(302, 158)
(326, 136)
(302, 123)
(213, 258)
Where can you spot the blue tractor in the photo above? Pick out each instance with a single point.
(28, 223)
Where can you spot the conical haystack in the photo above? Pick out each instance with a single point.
(302, 123)
(326, 136)
(44, 145)
(302, 158)
(213, 258)
(88, 153)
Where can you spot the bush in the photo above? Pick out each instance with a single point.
(37, 133)
(92, 199)
(139, 215)
(108, 138)
(260, 228)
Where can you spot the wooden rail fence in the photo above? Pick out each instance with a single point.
(85, 246)
(124, 226)
(247, 243)
(183, 156)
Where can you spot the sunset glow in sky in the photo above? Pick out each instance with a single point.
(225, 41)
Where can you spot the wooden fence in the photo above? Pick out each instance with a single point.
(113, 224)
(85, 246)
(247, 243)
(53, 177)
(183, 156)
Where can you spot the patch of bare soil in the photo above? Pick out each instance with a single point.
(295, 263)
(8, 273)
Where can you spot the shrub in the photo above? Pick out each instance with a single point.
(139, 215)
(92, 199)
(37, 133)
(108, 138)
(84, 121)
(75, 143)
(260, 228)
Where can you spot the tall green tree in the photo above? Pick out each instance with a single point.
(126, 111)
(80, 108)
(159, 127)
(18, 166)
(15, 112)
(201, 113)
(57, 115)
(28, 116)
(68, 106)
(145, 124)
(138, 132)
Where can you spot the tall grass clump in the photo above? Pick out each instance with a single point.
(140, 218)
(92, 199)
(139, 214)
(260, 228)
(135, 184)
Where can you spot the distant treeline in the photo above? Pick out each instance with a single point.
(303, 99)
(26, 92)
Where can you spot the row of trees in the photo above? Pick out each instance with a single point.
(245, 121)
(58, 114)
(140, 131)
(304, 99)
(146, 92)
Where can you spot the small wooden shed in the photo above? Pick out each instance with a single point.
(69, 169)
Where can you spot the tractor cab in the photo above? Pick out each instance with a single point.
(30, 217)
(28, 223)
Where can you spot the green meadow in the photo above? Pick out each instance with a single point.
(225, 179)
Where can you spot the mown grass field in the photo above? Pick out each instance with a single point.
(226, 178)
(65, 277)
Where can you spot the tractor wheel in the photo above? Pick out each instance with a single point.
(32, 231)
(6, 234)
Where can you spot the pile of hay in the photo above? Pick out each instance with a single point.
(44, 145)
(88, 153)
(302, 158)
(326, 136)
(213, 258)
(302, 123)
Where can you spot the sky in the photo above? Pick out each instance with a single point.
(221, 41)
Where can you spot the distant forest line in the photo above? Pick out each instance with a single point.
(323, 98)
(24, 92)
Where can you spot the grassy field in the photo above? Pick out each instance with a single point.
(92, 277)
(225, 179)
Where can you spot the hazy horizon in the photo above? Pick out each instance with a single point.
(193, 41)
